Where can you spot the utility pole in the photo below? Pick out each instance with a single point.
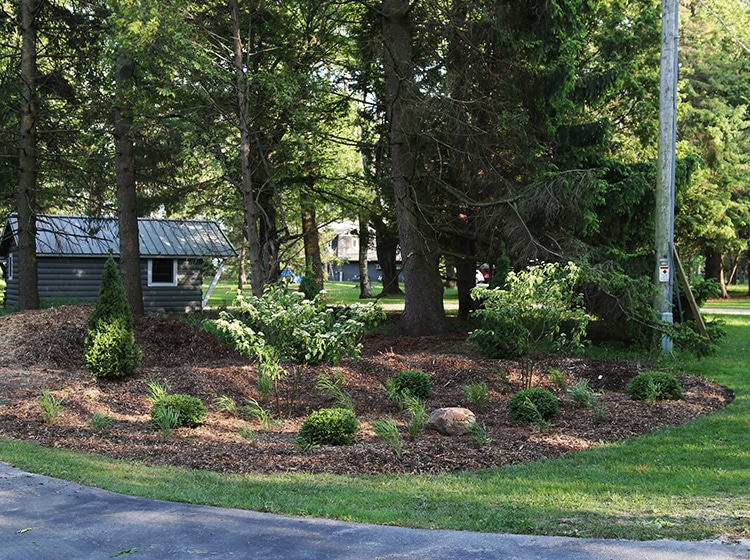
(665, 179)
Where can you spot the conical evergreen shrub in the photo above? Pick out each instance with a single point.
(109, 348)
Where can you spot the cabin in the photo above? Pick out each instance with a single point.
(71, 252)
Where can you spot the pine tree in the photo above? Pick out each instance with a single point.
(109, 348)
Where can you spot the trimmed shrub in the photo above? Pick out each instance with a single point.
(110, 350)
(189, 410)
(414, 382)
(109, 347)
(654, 386)
(334, 426)
(532, 405)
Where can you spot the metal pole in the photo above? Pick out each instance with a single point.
(665, 179)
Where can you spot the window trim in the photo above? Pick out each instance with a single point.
(9, 267)
(150, 273)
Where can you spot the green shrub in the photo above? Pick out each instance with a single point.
(110, 350)
(476, 395)
(109, 347)
(189, 410)
(414, 382)
(532, 405)
(654, 386)
(334, 426)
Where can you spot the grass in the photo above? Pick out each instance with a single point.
(685, 482)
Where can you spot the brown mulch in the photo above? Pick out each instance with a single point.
(43, 349)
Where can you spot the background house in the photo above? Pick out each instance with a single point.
(345, 248)
(71, 252)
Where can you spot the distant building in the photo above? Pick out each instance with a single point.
(345, 247)
(72, 250)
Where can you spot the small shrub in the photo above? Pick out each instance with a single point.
(478, 433)
(414, 382)
(654, 386)
(418, 414)
(110, 350)
(189, 410)
(51, 406)
(532, 405)
(582, 395)
(165, 419)
(334, 426)
(388, 430)
(157, 391)
(476, 395)
(100, 423)
(226, 404)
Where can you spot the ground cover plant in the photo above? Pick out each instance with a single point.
(496, 485)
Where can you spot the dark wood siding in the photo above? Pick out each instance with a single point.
(76, 280)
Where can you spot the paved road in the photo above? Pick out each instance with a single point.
(49, 519)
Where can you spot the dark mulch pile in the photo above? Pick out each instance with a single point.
(43, 349)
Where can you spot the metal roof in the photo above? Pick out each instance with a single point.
(95, 236)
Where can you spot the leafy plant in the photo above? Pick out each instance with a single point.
(533, 405)
(51, 406)
(226, 404)
(418, 415)
(100, 422)
(583, 396)
(478, 433)
(334, 426)
(247, 433)
(476, 395)
(165, 419)
(538, 310)
(388, 430)
(414, 382)
(254, 411)
(333, 384)
(264, 384)
(652, 386)
(558, 379)
(189, 410)
(156, 390)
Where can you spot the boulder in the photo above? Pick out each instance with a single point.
(450, 421)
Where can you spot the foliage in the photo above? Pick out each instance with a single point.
(109, 347)
(157, 390)
(308, 286)
(110, 350)
(333, 384)
(226, 404)
(334, 426)
(253, 410)
(478, 433)
(187, 410)
(165, 419)
(410, 382)
(51, 406)
(100, 422)
(388, 430)
(418, 412)
(476, 395)
(652, 386)
(532, 405)
(583, 396)
(538, 310)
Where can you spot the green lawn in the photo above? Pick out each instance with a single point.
(686, 482)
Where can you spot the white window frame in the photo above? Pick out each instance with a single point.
(9, 267)
(150, 273)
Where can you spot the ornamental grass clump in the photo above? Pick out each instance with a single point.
(184, 410)
(333, 426)
(533, 405)
(109, 347)
(653, 386)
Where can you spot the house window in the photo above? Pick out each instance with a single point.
(162, 272)
(9, 270)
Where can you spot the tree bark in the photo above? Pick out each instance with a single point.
(423, 308)
(365, 285)
(311, 239)
(28, 296)
(715, 269)
(252, 213)
(127, 207)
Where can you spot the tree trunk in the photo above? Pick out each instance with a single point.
(386, 248)
(252, 214)
(28, 296)
(365, 286)
(127, 208)
(311, 238)
(715, 269)
(423, 309)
